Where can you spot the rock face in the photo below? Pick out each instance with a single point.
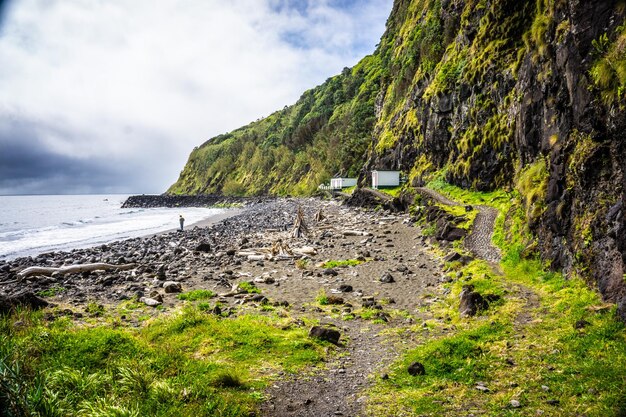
(504, 96)
(529, 113)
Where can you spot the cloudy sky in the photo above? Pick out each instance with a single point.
(100, 96)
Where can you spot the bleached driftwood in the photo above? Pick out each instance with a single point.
(305, 250)
(355, 233)
(72, 269)
(299, 227)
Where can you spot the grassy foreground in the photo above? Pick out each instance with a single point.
(548, 347)
(187, 364)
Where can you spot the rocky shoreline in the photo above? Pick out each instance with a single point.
(200, 200)
(382, 265)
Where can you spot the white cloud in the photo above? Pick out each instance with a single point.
(112, 71)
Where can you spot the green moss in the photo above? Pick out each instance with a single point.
(532, 184)
(609, 71)
(248, 287)
(341, 263)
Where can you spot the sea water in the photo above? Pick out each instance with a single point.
(30, 225)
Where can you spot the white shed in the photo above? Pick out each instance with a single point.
(385, 179)
(339, 183)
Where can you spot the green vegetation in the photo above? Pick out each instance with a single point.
(51, 292)
(549, 343)
(532, 185)
(609, 71)
(188, 364)
(248, 287)
(196, 295)
(293, 150)
(322, 297)
(341, 264)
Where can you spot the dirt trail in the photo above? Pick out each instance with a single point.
(364, 351)
(479, 240)
(339, 390)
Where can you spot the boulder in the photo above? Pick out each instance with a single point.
(387, 278)
(325, 333)
(151, 302)
(171, 287)
(471, 302)
(24, 299)
(203, 247)
(416, 368)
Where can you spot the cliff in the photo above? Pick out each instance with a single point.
(527, 97)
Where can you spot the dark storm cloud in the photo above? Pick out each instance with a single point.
(4, 5)
(29, 166)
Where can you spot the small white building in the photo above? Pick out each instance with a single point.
(339, 183)
(385, 179)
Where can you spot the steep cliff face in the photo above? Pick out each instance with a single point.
(490, 94)
(526, 96)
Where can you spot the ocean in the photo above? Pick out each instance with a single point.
(34, 224)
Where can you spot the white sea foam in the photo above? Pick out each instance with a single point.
(30, 225)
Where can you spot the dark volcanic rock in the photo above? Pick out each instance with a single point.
(325, 333)
(416, 368)
(471, 302)
(168, 200)
(203, 247)
(345, 288)
(24, 299)
(387, 278)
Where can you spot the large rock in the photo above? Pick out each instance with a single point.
(171, 287)
(416, 368)
(203, 247)
(151, 302)
(325, 333)
(451, 233)
(387, 278)
(24, 299)
(471, 302)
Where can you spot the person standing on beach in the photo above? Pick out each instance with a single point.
(181, 219)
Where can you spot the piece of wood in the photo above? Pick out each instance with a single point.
(355, 233)
(72, 269)
(299, 227)
(319, 216)
(305, 250)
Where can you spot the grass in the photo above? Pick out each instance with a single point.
(393, 191)
(186, 364)
(341, 264)
(525, 347)
(248, 287)
(196, 295)
(51, 292)
(322, 297)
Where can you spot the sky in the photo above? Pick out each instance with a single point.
(111, 96)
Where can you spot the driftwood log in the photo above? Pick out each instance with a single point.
(72, 269)
(279, 251)
(355, 233)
